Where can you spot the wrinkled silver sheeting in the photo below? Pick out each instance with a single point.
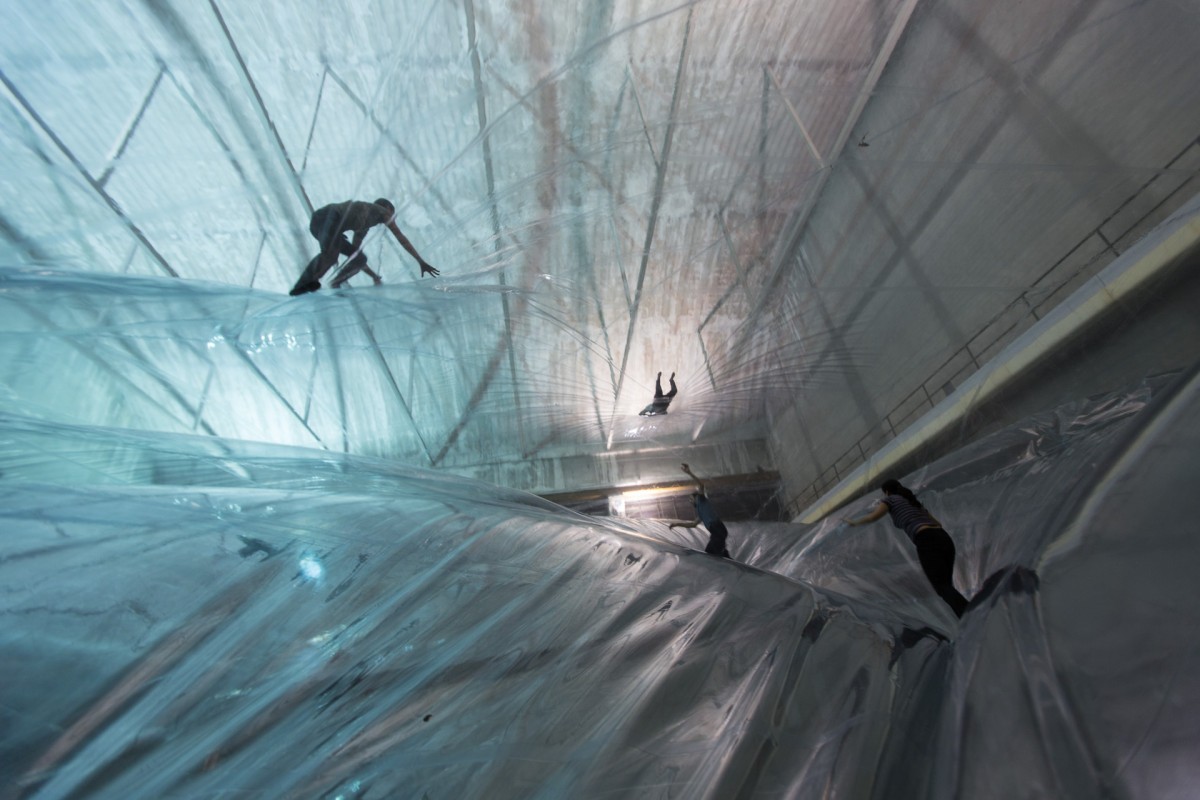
(216, 618)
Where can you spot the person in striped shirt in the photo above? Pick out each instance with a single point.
(935, 548)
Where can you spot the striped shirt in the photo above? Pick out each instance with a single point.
(907, 517)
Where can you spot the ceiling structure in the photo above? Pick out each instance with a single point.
(823, 216)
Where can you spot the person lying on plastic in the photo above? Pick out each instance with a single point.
(329, 226)
(661, 401)
(935, 548)
(717, 533)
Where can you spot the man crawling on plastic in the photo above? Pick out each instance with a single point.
(329, 227)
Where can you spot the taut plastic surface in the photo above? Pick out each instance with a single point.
(217, 618)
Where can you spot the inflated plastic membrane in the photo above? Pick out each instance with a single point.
(197, 616)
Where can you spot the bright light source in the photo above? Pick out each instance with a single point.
(616, 505)
(311, 568)
(637, 495)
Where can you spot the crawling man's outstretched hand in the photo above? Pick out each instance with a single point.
(426, 268)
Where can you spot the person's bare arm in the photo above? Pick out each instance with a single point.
(412, 251)
(876, 513)
(699, 482)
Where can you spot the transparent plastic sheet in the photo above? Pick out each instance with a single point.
(1073, 675)
(197, 615)
(371, 631)
(220, 617)
(406, 370)
(1002, 497)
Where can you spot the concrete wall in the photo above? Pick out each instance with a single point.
(1137, 319)
(885, 385)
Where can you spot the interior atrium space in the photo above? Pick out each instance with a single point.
(485, 399)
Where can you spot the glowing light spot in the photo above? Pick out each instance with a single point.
(311, 568)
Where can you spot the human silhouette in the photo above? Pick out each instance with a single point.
(329, 226)
(661, 401)
(717, 532)
(935, 548)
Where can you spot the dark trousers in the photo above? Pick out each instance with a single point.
(935, 550)
(325, 228)
(658, 392)
(717, 534)
(661, 401)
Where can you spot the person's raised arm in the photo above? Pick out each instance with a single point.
(412, 251)
(876, 513)
(691, 474)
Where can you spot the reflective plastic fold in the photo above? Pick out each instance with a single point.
(188, 616)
